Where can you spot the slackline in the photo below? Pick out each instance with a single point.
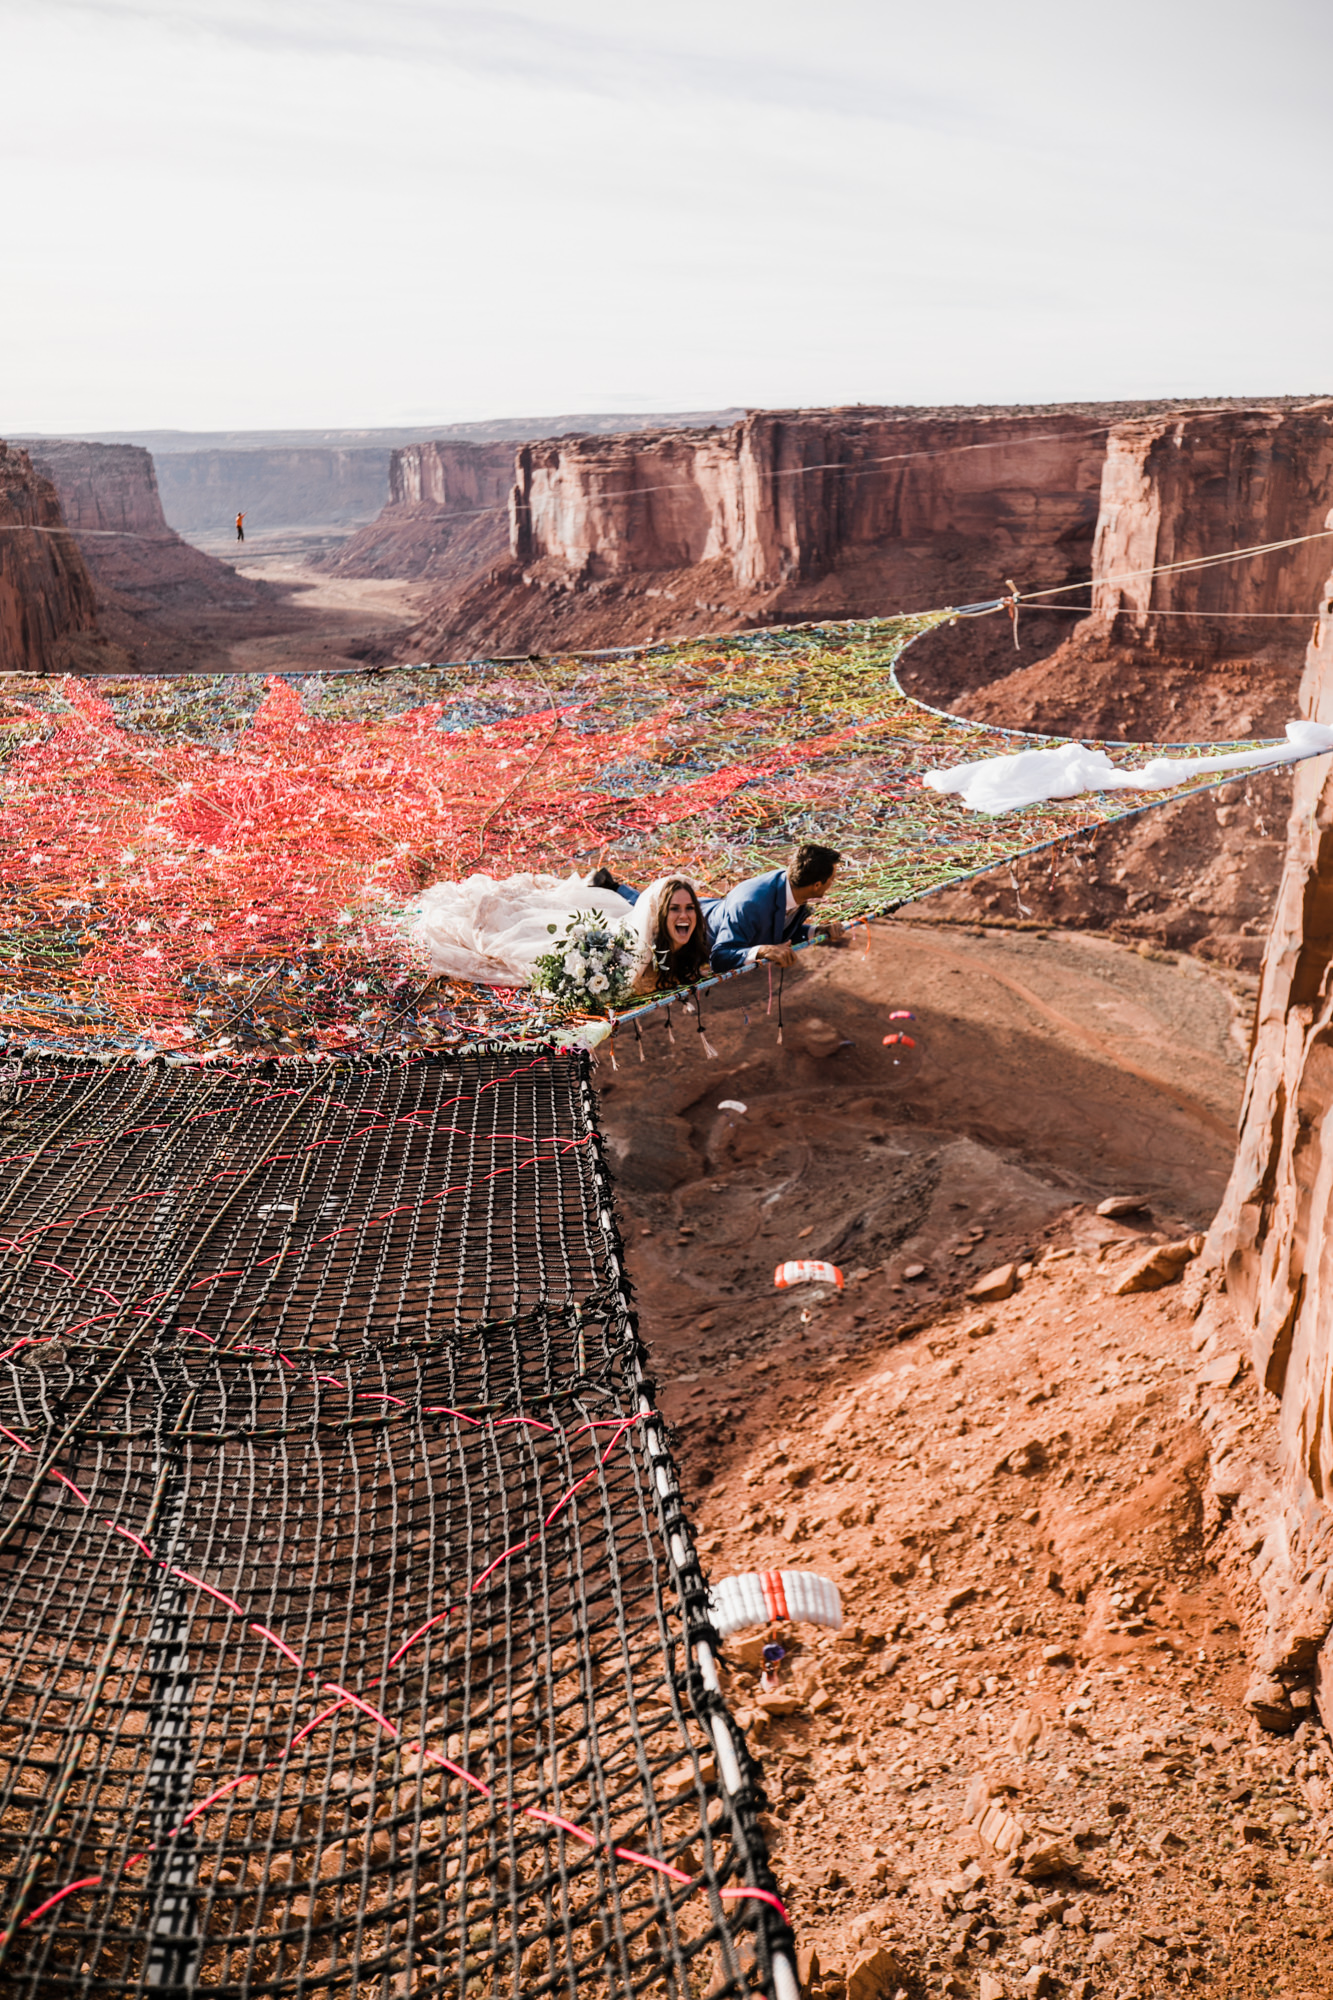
(223, 866)
(355, 1638)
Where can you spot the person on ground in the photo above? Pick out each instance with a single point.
(602, 878)
(673, 936)
(494, 931)
(762, 919)
(240, 527)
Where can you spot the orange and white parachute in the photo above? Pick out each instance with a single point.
(807, 1271)
(774, 1597)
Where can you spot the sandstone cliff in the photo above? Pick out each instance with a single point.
(165, 603)
(783, 496)
(788, 515)
(1175, 489)
(1273, 1238)
(1184, 656)
(447, 516)
(46, 596)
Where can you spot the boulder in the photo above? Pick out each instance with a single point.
(1122, 1204)
(1162, 1265)
(1220, 1372)
(1001, 1283)
(1270, 1704)
(873, 1974)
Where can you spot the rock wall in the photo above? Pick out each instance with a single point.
(1273, 1238)
(447, 516)
(46, 595)
(164, 603)
(790, 515)
(1190, 655)
(105, 490)
(1178, 488)
(784, 495)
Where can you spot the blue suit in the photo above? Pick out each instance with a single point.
(754, 912)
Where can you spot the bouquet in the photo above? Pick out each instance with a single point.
(590, 968)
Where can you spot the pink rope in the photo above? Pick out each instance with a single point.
(567, 1825)
(760, 1896)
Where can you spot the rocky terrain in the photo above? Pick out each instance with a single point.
(788, 515)
(1184, 657)
(447, 516)
(161, 605)
(47, 609)
(785, 515)
(1030, 1762)
(330, 480)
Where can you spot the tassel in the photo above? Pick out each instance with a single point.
(671, 1033)
(610, 1050)
(708, 1048)
(782, 973)
(638, 1036)
(770, 986)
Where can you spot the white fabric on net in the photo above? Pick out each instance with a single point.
(1002, 784)
(493, 932)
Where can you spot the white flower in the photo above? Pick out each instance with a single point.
(574, 965)
(577, 934)
(598, 983)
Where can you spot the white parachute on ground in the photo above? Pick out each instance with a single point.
(775, 1597)
(807, 1271)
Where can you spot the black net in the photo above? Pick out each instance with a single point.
(354, 1640)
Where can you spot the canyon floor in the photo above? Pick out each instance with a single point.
(1024, 1766)
(338, 621)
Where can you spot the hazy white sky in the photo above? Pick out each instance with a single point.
(341, 212)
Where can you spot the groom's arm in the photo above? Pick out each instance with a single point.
(736, 930)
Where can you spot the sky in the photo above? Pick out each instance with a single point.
(307, 213)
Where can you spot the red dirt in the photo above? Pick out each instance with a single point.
(878, 1436)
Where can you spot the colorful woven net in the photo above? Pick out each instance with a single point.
(226, 865)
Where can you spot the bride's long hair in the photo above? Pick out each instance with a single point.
(683, 965)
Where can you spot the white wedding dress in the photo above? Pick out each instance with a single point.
(494, 932)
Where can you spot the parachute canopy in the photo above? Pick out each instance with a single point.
(774, 1597)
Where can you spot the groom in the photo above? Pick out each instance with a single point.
(764, 917)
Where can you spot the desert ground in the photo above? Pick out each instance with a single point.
(1024, 1766)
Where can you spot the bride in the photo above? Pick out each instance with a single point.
(493, 932)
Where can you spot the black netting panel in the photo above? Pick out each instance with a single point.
(352, 1642)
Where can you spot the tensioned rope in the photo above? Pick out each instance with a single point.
(848, 467)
